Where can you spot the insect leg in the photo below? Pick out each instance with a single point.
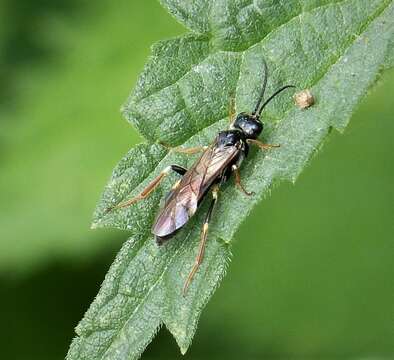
(203, 240)
(262, 145)
(151, 186)
(182, 150)
(238, 181)
(190, 150)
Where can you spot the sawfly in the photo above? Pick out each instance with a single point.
(214, 167)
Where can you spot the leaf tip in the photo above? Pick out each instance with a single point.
(183, 349)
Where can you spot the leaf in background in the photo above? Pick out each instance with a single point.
(66, 165)
(335, 48)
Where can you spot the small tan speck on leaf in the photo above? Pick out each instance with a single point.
(304, 99)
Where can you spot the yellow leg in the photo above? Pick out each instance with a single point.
(238, 181)
(181, 150)
(262, 145)
(203, 240)
(149, 189)
(191, 150)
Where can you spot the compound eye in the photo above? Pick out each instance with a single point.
(254, 129)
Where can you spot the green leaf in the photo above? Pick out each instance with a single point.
(335, 48)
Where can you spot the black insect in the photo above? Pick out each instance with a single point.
(216, 164)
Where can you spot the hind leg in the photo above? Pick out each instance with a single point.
(151, 186)
(203, 240)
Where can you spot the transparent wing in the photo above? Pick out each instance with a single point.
(182, 202)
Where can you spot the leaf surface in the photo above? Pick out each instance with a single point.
(334, 48)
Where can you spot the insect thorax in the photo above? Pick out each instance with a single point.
(236, 138)
(230, 138)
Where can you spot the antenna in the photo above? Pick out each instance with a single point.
(277, 92)
(263, 88)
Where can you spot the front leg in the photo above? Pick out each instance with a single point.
(261, 145)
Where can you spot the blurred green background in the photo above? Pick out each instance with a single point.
(312, 272)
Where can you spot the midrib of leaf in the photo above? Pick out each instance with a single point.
(183, 331)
